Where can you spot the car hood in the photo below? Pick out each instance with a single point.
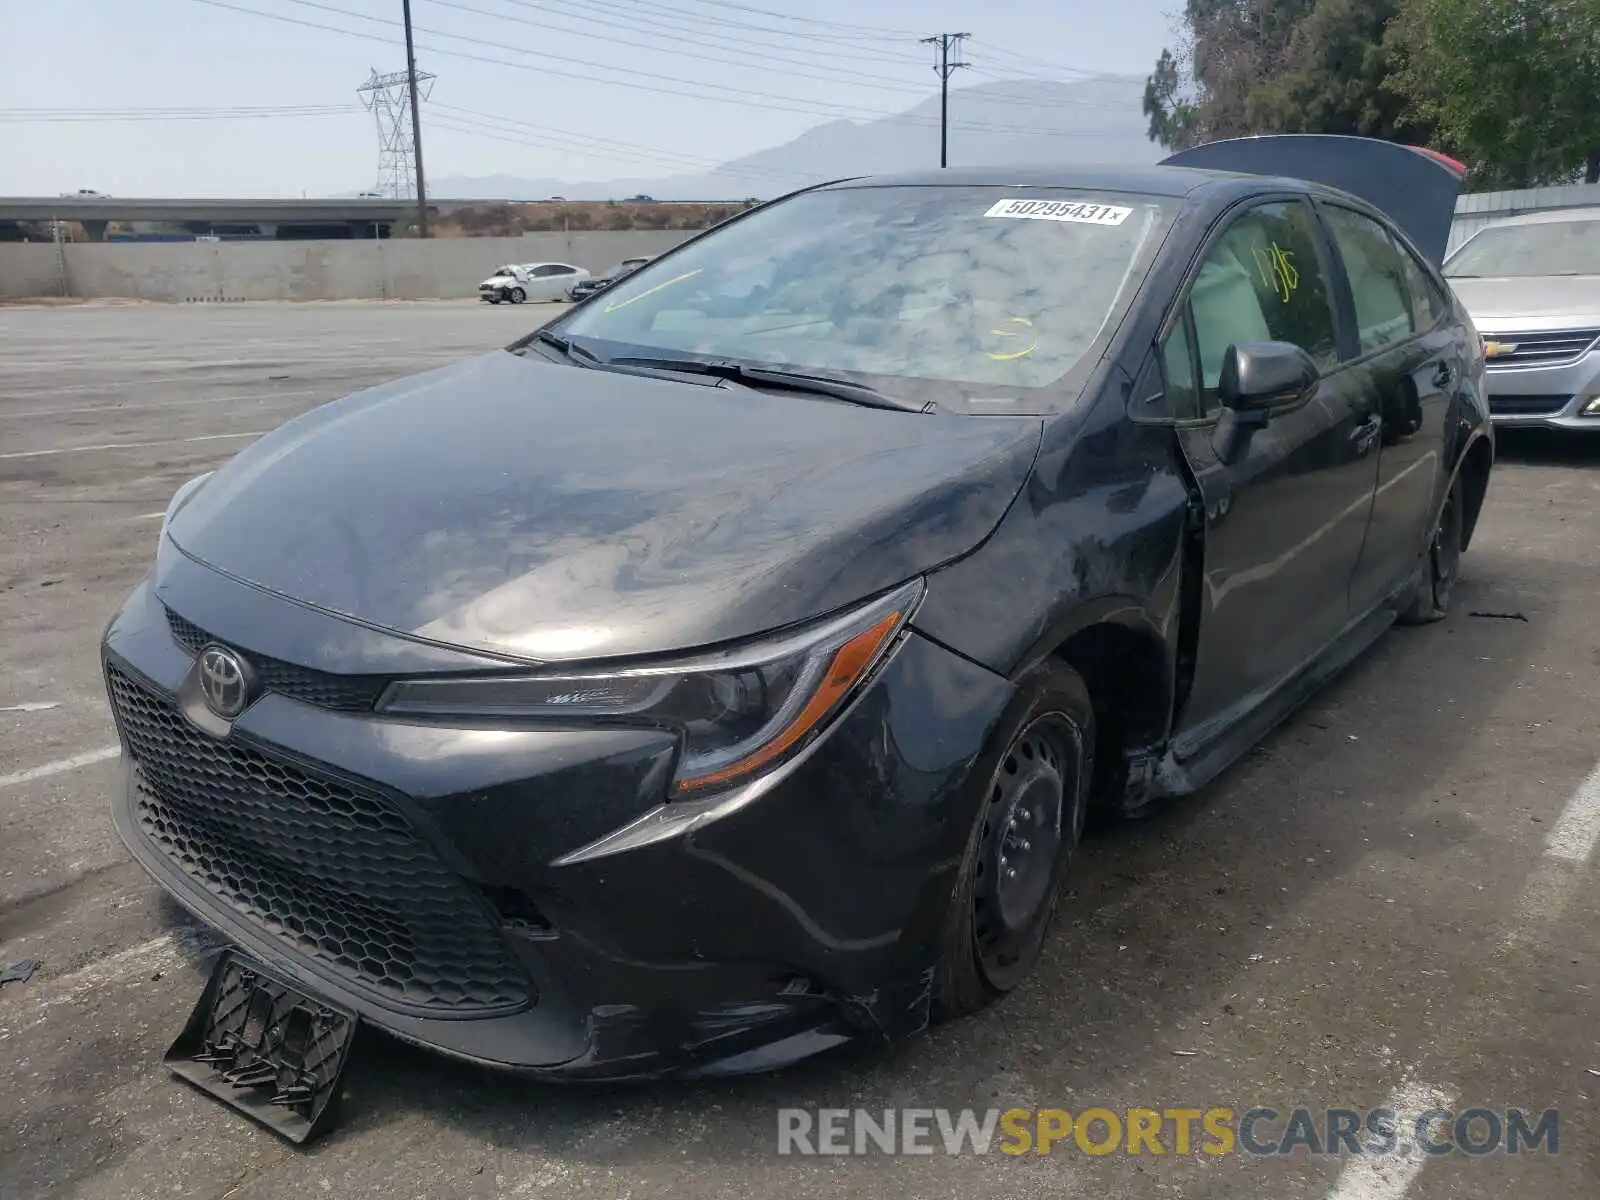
(1552, 303)
(555, 513)
(497, 281)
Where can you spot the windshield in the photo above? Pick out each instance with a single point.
(952, 294)
(1529, 251)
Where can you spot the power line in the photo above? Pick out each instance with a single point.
(945, 69)
(652, 159)
(833, 42)
(864, 30)
(1039, 63)
(97, 115)
(839, 110)
(745, 97)
(857, 78)
(583, 143)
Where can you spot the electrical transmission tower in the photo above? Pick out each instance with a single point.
(944, 67)
(388, 97)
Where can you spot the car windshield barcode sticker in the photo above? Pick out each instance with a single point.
(1075, 211)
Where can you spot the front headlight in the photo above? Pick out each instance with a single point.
(740, 712)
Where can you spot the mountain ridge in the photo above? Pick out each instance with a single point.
(1000, 123)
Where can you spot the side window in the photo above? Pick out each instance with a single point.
(545, 269)
(1263, 280)
(1427, 305)
(1377, 279)
(562, 269)
(1182, 387)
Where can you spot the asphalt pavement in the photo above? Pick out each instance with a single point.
(1391, 903)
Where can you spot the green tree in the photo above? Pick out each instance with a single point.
(1286, 66)
(1204, 89)
(1513, 86)
(1335, 77)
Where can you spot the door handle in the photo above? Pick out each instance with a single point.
(1366, 434)
(1443, 375)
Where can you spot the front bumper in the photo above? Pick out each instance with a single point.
(405, 870)
(1546, 397)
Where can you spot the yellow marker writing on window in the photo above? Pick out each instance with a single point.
(1026, 331)
(1278, 272)
(651, 291)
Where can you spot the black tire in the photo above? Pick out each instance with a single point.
(1035, 777)
(516, 295)
(1442, 565)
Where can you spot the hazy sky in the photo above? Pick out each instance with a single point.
(741, 70)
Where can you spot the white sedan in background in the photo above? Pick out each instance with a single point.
(517, 282)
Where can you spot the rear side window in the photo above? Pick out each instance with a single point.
(1428, 305)
(1377, 279)
(1263, 280)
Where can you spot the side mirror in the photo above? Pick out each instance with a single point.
(1258, 377)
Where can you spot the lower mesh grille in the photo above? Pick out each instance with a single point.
(331, 870)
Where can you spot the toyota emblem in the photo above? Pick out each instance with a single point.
(223, 682)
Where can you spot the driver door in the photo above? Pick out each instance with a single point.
(1286, 508)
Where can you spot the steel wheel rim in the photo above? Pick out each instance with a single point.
(1026, 810)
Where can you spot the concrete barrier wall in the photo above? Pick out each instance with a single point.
(401, 269)
(29, 269)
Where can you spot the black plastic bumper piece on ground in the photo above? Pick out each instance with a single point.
(265, 1049)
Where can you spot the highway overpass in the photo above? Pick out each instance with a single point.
(285, 219)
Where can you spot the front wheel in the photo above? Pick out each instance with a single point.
(517, 295)
(1035, 777)
(1431, 601)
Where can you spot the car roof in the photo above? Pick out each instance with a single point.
(1151, 180)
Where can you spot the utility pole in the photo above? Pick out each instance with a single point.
(416, 124)
(944, 41)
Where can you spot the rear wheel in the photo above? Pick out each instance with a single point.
(1035, 778)
(516, 295)
(1431, 601)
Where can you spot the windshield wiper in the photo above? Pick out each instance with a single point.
(567, 346)
(794, 381)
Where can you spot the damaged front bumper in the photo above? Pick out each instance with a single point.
(805, 919)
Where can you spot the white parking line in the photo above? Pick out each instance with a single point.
(45, 770)
(1566, 851)
(117, 408)
(1574, 837)
(208, 437)
(1386, 1177)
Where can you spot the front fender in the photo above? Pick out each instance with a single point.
(1095, 537)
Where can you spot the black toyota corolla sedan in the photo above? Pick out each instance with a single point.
(724, 671)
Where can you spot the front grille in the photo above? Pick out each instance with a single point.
(1542, 349)
(330, 869)
(1526, 406)
(346, 693)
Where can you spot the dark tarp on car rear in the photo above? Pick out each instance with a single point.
(1417, 189)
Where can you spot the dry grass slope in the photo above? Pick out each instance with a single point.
(511, 220)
